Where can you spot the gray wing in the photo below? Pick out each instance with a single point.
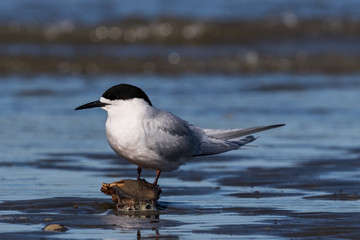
(170, 136)
(219, 141)
(236, 133)
(215, 146)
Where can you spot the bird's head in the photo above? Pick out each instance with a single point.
(116, 95)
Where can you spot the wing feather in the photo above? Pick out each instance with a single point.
(227, 134)
(223, 140)
(170, 136)
(215, 146)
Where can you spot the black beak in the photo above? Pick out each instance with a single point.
(92, 105)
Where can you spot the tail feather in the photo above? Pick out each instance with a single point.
(229, 134)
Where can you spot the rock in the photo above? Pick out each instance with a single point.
(133, 195)
(55, 228)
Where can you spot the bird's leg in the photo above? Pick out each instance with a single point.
(158, 171)
(139, 169)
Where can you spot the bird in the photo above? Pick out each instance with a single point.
(156, 139)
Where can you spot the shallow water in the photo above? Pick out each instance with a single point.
(300, 181)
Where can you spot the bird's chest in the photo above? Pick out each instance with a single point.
(125, 136)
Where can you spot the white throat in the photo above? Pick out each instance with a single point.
(124, 125)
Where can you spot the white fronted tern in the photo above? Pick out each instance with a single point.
(155, 139)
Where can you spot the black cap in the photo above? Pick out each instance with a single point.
(125, 92)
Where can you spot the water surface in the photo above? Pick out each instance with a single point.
(216, 64)
(54, 159)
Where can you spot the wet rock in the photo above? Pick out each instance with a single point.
(55, 228)
(133, 195)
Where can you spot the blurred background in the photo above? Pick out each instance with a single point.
(215, 63)
(177, 37)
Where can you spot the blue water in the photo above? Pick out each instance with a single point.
(46, 146)
(49, 151)
(318, 109)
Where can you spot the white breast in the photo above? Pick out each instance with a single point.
(126, 134)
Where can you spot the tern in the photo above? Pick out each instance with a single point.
(155, 139)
